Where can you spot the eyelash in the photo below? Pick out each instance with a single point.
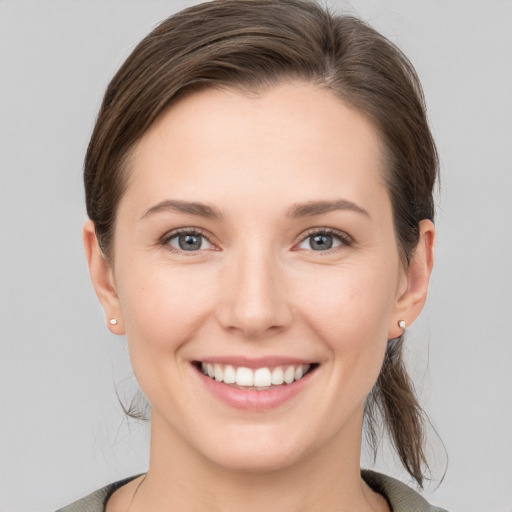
(184, 231)
(345, 239)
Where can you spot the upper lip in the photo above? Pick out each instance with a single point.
(256, 362)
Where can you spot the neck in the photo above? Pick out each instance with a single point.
(181, 479)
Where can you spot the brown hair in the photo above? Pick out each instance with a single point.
(251, 45)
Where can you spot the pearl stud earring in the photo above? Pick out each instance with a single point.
(401, 324)
(112, 321)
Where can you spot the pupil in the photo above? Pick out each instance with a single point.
(322, 242)
(189, 242)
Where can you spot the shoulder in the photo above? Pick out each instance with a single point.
(95, 502)
(400, 497)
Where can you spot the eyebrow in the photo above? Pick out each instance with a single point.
(188, 207)
(298, 210)
(318, 207)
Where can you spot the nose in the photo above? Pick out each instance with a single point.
(254, 299)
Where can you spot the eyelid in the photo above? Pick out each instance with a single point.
(343, 236)
(164, 240)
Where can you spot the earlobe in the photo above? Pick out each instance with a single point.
(410, 303)
(102, 279)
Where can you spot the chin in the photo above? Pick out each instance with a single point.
(253, 452)
(254, 461)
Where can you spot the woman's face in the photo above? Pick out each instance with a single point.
(255, 236)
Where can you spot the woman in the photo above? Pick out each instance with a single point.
(259, 186)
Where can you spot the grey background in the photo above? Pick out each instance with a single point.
(62, 432)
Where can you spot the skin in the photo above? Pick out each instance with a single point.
(257, 288)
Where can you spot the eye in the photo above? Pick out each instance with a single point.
(324, 240)
(187, 241)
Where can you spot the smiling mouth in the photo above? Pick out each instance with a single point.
(259, 379)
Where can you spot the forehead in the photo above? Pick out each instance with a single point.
(296, 139)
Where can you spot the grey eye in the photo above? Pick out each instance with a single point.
(320, 242)
(188, 242)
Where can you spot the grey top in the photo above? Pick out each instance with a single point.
(400, 497)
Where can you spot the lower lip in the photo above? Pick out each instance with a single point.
(251, 399)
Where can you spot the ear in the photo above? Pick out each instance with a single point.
(413, 292)
(102, 278)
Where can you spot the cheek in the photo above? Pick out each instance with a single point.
(350, 314)
(162, 309)
(351, 301)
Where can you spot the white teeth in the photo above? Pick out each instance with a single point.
(229, 374)
(244, 377)
(259, 378)
(218, 373)
(262, 377)
(277, 376)
(289, 375)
